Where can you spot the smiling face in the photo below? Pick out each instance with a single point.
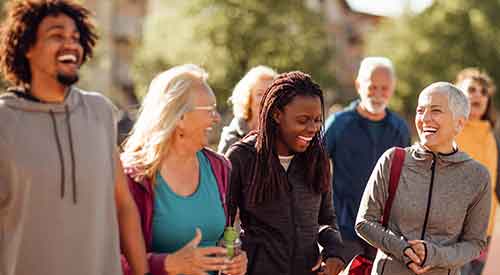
(57, 53)
(298, 123)
(478, 97)
(376, 91)
(197, 124)
(435, 123)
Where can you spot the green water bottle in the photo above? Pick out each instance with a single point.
(231, 241)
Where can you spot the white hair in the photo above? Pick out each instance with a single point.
(242, 91)
(370, 64)
(168, 98)
(458, 102)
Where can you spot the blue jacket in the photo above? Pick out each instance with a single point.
(354, 154)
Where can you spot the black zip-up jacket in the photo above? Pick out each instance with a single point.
(281, 236)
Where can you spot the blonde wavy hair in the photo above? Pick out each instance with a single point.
(168, 98)
(241, 97)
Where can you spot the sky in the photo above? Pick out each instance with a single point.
(388, 7)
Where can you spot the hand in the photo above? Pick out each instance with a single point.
(417, 253)
(193, 260)
(333, 266)
(418, 269)
(238, 265)
(419, 247)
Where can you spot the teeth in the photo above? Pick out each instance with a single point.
(429, 129)
(67, 57)
(306, 138)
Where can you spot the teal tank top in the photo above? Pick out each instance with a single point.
(176, 217)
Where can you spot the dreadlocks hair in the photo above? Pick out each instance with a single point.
(18, 33)
(267, 181)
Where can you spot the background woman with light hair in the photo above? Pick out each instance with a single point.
(479, 88)
(246, 99)
(439, 216)
(179, 186)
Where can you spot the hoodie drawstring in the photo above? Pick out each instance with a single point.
(59, 150)
(61, 156)
(72, 151)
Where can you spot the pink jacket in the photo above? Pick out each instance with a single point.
(142, 192)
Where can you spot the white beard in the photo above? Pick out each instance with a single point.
(372, 107)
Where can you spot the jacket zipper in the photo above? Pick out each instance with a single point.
(429, 199)
(292, 213)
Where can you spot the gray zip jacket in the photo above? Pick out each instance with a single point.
(441, 199)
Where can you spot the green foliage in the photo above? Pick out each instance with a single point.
(436, 44)
(228, 37)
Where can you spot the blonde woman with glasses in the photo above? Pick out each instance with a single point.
(179, 186)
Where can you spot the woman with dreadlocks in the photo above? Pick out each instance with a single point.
(280, 184)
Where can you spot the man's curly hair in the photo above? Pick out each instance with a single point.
(18, 33)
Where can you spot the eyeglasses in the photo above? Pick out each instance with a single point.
(212, 109)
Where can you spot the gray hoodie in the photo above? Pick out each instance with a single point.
(441, 199)
(57, 207)
(236, 130)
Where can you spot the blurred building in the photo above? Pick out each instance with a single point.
(347, 30)
(120, 24)
(120, 29)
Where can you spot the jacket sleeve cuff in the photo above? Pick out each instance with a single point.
(331, 241)
(397, 247)
(157, 264)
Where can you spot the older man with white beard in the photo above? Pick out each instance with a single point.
(355, 138)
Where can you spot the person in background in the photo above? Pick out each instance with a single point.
(178, 184)
(439, 216)
(280, 182)
(479, 88)
(246, 101)
(64, 201)
(355, 138)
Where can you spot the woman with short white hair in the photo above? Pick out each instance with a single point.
(246, 99)
(179, 186)
(439, 215)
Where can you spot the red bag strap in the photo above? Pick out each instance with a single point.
(396, 166)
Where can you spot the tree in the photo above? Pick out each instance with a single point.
(229, 37)
(437, 43)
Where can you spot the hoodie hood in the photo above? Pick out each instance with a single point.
(13, 100)
(419, 152)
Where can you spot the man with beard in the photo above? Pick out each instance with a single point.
(63, 195)
(355, 139)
